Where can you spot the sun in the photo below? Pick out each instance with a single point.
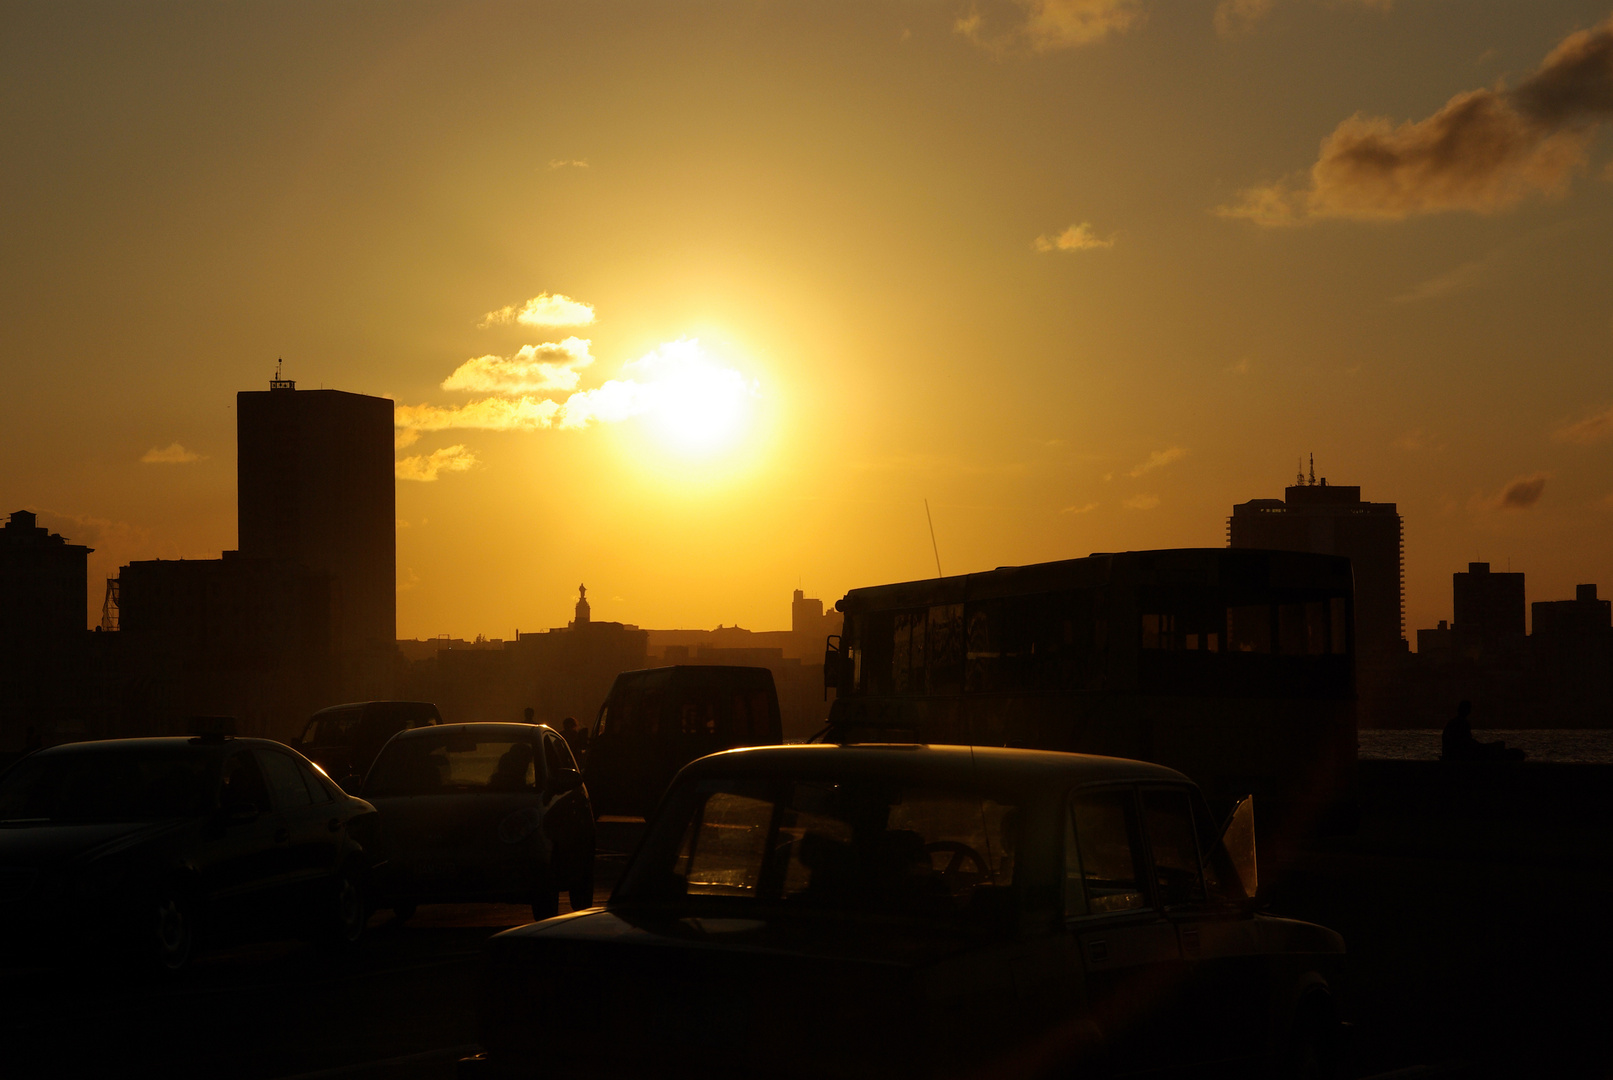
(697, 406)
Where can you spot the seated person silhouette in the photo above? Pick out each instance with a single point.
(1456, 742)
(513, 765)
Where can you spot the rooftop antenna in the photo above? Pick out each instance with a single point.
(1299, 481)
(1313, 470)
(933, 546)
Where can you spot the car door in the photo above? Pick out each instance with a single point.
(1225, 986)
(1129, 950)
(305, 848)
(240, 854)
(564, 808)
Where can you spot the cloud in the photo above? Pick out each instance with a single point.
(534, 368)
(1523, 493)
(544, 309)
(1045, 25)
(425, 467)
(1234, 17)
(1468, 276)
(1414, 442)
(1159, 459)
(489, 414)
(1141, 502)
(562, 163)
(1484, 151)
(1243, 367)
(1075, 238)
(405, 437)
(1088, 508)
(1592, 429)
(172, 454)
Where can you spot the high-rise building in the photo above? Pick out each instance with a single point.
(42, 635)
(1488, 608)
(315, 487)
(1332, 520)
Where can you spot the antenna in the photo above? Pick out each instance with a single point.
(1299, 481)
(1313, 470)
(933, 546)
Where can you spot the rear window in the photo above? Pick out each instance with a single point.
(735, 714)
(452, 762)
(855, 846)
(336, 728)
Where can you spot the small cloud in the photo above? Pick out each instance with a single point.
(1158, 460)
(534, 368)
(1108, 476)
(405, 437)
(1523, 493)
(1587, 432)
(407, 579)
(172, 454)
(1141, 502)
(425, 467)
(1087, 509)
(1045, 25)
(401, 523)
(1075, 238)
(561, 163)
(1414, 442)
(1470, 275)
(545, 309)
(1234, 17)
(1243, 367)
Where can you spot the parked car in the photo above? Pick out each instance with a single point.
(911, 911)
(344, 739)
(482, 812)
(656, 721)
(156, 846)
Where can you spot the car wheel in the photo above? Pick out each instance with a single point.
(347, 912)
(581, 893)
(545, 895)
(174, 918)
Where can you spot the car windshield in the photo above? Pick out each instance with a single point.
(333, 728)
(450, 762)
(91, 787)
(861, 846)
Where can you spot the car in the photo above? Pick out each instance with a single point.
(482, 812)
(656, 721)
(344, 739)
(917, 911)
(149, 849)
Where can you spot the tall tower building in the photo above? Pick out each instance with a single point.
(315, 486)
(1333, 520)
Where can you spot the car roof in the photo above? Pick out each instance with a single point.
(413, 706)
(990, 766)
(490, 729)
(165, 742)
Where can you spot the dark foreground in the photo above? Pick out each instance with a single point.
(1477, 912)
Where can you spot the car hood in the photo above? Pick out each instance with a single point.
(47, 846)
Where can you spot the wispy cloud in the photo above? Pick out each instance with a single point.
(1416, 442)
(1000, 26)
(172, 454)
(1158, 460)
(533, 369)
(425, 467)
(545, 309)
(563, 163)
(1523, 493)
(1467, 276)
(1242, 366)
(1075, 238)
(1086, 509)
(1234, 17)
(1592, 429)
(1483, 152)
(1141, 502)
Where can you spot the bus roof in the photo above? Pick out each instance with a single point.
(1205, 567)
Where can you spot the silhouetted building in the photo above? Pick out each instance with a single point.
(1572, 645)
(1488, 612)
(42, 604)
(316, 487)
(233, 636)
(568, 671)
(1332, 520)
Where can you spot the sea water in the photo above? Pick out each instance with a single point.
(1594, 745)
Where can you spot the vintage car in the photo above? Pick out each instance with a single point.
(344, 739)
(152, 847)
(482, 812)
(917, 911)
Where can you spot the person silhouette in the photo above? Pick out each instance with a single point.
(529, 712)
(1456, 742)
(575, 737)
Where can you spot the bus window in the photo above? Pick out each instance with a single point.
(1338, 636)
(1249, 628)
(980, 665)
(946, 648)
(907, 656)
(1316, 627)
(876, 635)
(1291, 629)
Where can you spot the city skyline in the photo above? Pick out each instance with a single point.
(1083, 275)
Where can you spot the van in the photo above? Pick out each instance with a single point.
(658, 720)
(344, 739)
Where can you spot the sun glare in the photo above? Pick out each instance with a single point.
(697, 406)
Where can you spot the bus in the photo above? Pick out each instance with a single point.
(1232, 665)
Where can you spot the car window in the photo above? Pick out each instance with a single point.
(1221, 882)
(1107, 849)
(557, 754)
(864, 846)
(285, 780)
(243, 787)
(333, 728)
(1168, 820)
(106, 786)
(319, 789)
(446, 762)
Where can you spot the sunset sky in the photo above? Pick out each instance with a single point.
(697, 303)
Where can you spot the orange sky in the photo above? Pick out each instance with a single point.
(1083, 273)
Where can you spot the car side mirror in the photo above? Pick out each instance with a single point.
(565, 780)
(1238, 840)
(836, 666)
